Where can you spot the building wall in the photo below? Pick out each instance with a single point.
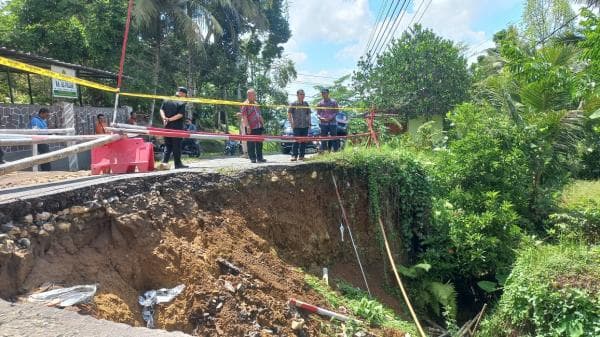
(17, 116)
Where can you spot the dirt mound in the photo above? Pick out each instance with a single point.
(266, 223)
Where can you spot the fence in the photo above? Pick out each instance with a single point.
(17, 116)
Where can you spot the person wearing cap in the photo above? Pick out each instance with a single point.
(253, 121)
(172, 113)
(299, 117)
(328, 109)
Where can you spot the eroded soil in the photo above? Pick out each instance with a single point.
(268, 223)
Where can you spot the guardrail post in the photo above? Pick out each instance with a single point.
(69, 118)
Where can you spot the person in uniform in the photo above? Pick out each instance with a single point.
(172, 113)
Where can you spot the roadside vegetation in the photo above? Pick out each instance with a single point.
(500, 205)
(502, 219)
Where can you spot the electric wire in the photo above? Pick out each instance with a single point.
(375, 27)
(387, 20)
(392, 32)
(423, 13)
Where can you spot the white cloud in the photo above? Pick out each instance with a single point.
(329, 20)
(452, 19)
(348, 23)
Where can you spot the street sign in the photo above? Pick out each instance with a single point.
(63, 89)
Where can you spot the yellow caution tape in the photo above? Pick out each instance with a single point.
(48, 73)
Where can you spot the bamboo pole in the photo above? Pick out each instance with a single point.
(37, 131)
(399, 281)
(15, 140)
(56, 155)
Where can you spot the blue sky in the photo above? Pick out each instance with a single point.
(329, 36)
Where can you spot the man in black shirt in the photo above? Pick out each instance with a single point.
(173, 114)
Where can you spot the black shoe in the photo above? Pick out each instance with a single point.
(181, 167)
(262, 160)
(253, 160)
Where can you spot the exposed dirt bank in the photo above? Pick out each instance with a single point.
(154, 232)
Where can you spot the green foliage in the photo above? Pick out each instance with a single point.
(358, 302)
(422, 74)
(579, 222)
(436, 297)
(591, 43)
(486, 153)
(552, 291)
(399, 190)
(198, 44)
(544, 17)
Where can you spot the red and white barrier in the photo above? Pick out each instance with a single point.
(15, 139)
(161, 132)
(38, 131)
(56, 155)
(320, 311)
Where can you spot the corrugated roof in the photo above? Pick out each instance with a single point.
(46, 62)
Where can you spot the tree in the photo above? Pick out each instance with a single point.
(543, 18)
(421, 75)
(541, 91)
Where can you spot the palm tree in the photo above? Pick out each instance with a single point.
(194, 20)
(549, 112)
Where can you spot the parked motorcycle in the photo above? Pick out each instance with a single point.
(188, 147)
(232, 147)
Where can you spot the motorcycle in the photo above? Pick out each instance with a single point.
(188, 147)
(231, 147)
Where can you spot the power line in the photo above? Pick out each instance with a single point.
(375, 27)
(395, 26)
(416, 13)
(388, 28)
(559, 28)
(387, 23)
(423, 13)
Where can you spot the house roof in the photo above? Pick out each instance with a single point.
(46, 62)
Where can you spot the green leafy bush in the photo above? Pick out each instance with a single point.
(399, 191)
(360, 304)
(552, 291)
(577, 223)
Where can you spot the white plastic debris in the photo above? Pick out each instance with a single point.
(342, 231)
(153, 297)
(65, 297)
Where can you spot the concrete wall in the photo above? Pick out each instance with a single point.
(17, 116)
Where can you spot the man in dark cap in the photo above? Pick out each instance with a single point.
(173, 115)
(327, 110)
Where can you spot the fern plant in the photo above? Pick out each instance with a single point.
(437, 297)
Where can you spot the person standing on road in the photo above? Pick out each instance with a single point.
(328, 123)
(172, 113)
(299, 117)
(252, 119)
(39, 122)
